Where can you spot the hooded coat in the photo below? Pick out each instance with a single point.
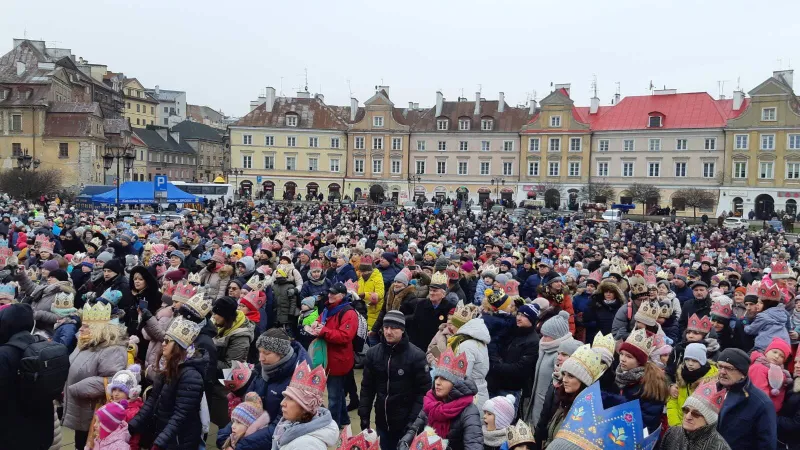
(154, 328)
(345, 273)
(769, 324)
(373, 284)
(475, 347)
(215, 281)
(747, 419)
(150, 294)
(404, 301)
(318, 434)
(599, 316)
(685, 390)
(41, 298)
(543, 378)
(234, 346)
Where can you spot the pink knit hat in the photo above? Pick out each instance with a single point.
(110, 416)
(307, 386)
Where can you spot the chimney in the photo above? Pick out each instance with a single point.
(477, 104)
(158, 91)
(665, 91)
(616, 98)
(501, 104)
(532, 107)
(564, 86)
(382, 88)
(269, 98)
(20, 68)
(738, 100)
(162, 132)
(303, 94)
(410, 105)
(320, 97)
(788, 76)
(416, 105)
(353, 109)
(175, 135)
(439, 103)
(594, 105)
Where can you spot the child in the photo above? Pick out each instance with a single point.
(695, 369)
(124, 387)
(771, 320)
(498, 413)
(251, 303)
(246, 419)
(767, 373)
(308, 315)
(738, 301)
(112, 429)
(697, 330)
(237, 380)
(66, 328)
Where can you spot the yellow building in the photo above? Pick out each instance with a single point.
(140, 108)
(288, 146)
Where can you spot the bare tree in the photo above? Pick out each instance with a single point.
(30, 184)
(597, 192)
(643, 193)
(696, 198)
(552, 193)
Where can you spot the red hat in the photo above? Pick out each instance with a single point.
(780, 344)
(315, 265)
(254, 300)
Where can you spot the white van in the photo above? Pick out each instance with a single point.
(612, 215)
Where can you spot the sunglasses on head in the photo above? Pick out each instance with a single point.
(693, 412)
(168, 340)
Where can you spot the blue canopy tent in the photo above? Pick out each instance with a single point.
(143, 192)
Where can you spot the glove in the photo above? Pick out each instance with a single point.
(146, 315)
(142, 305)
(373, 298)
(402, 445)
(364, 424)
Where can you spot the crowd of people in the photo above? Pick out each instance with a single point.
(469, 332)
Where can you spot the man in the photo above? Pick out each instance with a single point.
(754, 274)
(700, 304)
(511, 371)
(530, 288)
(189, 260)
(395, 379)
(680, 288)
(747, 418)
(430, 312)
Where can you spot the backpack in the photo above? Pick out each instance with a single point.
(361, 334)
(43, 368)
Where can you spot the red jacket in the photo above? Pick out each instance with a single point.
(338, 332)
(133, 408)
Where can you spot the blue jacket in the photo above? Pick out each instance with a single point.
(529, 288)
(580, 303)
(388, 275)
(683, 295)
(271, 393)
(747, 419)
(66, 333)
(310, 289)
(347, 273)
(769, 324)
(480, 287)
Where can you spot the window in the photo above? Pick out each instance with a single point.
(555, 121)
(166, 110)
(508, 146)
(765, 170)
(334, 165)
(247, 139)
(420, 146)
(654, 122)
(313, 142)
(485, 168)
(654, 169)
(397, 143)
(628, 145)
(291, 141)
(654, 145)
(359, 143)
(680, 169)
(575, 144)
(377, 143)
(555, 145)
(681, 144)
(553, 169)
(291, 120)
(708, 169)
(602, 169)
(137, 121)
(533, 144)
(334, 142)
(602, 145)
(152, 110)
(442, 146)
(441, 167)
(794, 142)
(508, 168)
(420, 167)
(533, 168)
(313, 164)
(291, 163)
(792, 171)
(138, 108)
(377, 121)
(247, 162)
(627, 169)
(574, 169)
(441, 124)
(377, 166)
(269, 162)
(395, 166)
(462, 167)
(740, 169)
(679, 203)
(463, 146)
(269, 141)
(485, 146)
(769, 114)
(710, 144)
(166, 121)
(128, 105)
(742, 142)
(358, 166)
(487, 124)
(463, 124)
(767, 142)
(63, 150)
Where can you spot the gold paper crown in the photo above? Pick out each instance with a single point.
(605, 343)
(64, 300)
(638, 285)
(439, 278)
(256, 283)
(663, 274)
(640, 339)
(465, 313)
(615, 270)
(32, 273)
(194, 278)
(183, 331)
(648, 313)
(665, 311)
(589, 360)
(199, 304)
(148, 247)
(97, 313)
(519, 434)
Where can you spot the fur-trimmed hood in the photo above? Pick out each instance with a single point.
(605, 286)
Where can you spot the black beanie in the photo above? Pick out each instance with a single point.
(737, 358)
(225, 307)
(60, 275)
(114, 265)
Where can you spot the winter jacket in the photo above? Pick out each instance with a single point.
(789, 420)
(427, 319)
(41, 298)
(671, 329)
(623, 321)
(286, 300)
(85, 387)
(338, 332)
(672, 299)
(747, 419)
(345, 273)
(683, 295)
(674, 405)
(542, 379)
(318, 434)
(317, 289)
(530, 287)
(205, 342)
(769, 324)
(499, 324)
(599, 316)
(154, 327)
(395, 380)
(465, 430)
(215, 281)
(150, 294)
(130, 412)
(374, 284)
(759, 377)
(172, 409)
(65, 333)
(477, 356)
(388, 274)
(480, 291)
(120, 283)
(469, 284)
(233, 346)
(58, 436)
(694, 306)
(705, 438)
(116, 440)
(404, 301)
(513, 368)
(271, 393)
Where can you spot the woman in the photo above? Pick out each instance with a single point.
(554, 332)
(698, 429)
(471, 339)
(101, 352)
(41, 296)
(172, 409)
(234, 335)
(71, 244)
(305, 424)
(144, 288)
(448, 407)
(605, 302)
(216, 275)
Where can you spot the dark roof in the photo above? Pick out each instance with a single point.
(67, 125)
(18, 95)
(28, 54)
(116, 126)
(194, 130)
(510, 120)
(91, 108)
(312, 113)
(154, 141)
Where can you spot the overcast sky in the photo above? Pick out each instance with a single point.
(223, 53)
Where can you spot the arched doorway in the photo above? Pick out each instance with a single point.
(269, 189)
(440, 192)
(377, 194)
(313, 189)
(419, 192)
(791, 207)
(573, 199)
(289, 189)
(462, 194)
(357, 194)
(246, 188)
(483, 194)
(651, 204)
(552, 199)
(334, 191)
(765, 207)
(738, 207)
(395, 190)
(507, 194)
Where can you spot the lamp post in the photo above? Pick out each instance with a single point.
(496, 182)
(236, 173)
(26, 162)
(120, 153)
(412, 180)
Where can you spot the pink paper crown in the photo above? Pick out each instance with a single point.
(351, 285)
(219, 256)
(697, 324)
(779, 268)
(47, 246)
(768, 290)
(708, 394)
(422, 442)
(5, 253)
(596, 276)
(256, 299)
(721, 309)
(41, 238)
(512, 288)
(649, 279)
(184, 291)
(456, 365)
(239, 375)
(308, 379)
(366, 260)
(752, 289)
(169, 287)
(315, 265)
(705, 259)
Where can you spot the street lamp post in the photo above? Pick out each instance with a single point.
(120, 153)
(236, 173)
(26, 162)
(412, 180)
(496, 182)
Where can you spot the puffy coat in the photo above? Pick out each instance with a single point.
(338, 332)
(85, 387)
(694, 306)
(759, 377)
(344, 273)
(150, 294)
(469, 284)
(41, 298)
(499, 324)
(271, 393)
(513, 368)
(480, 291)
(65, 333)
(116, 440)
(705, 438)
(530, 287)
(286, 300)
(154, 327)
(427, 319)
(172, 409)
(789, 419)
(747, 419)
(374, 284)
(388, 274)
(652, 410)
(315, 288)
(318, 434)
(404, 301)
(466, 431)
(623, 321)
(205, 342)
(395, 375)
(769, 324)
(674, 405)
(234, 346)
(216, 281)
(599, 316)
(671, 329)
(477, 356)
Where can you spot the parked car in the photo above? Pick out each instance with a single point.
(612, 215)
(410, 206)
(735, 223)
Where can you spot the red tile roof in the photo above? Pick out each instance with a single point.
(727, 107)
(312, 114)
(690, 110)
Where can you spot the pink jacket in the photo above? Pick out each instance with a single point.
(117, 440)
(759, 376)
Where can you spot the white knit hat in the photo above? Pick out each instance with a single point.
(503, 409)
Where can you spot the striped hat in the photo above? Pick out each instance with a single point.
(110, 416)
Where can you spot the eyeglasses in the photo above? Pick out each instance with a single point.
(168, 340)
(726, 368)
(693, 412)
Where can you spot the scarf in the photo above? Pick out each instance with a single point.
(268, 370)
(455, 340)
(238, 323)
(547, 347)
(440, 414)
(494, 438)
(330, 312)
(690, 376)
(63, 312)
(626, 378)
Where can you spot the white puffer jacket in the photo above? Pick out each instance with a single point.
(477, 356)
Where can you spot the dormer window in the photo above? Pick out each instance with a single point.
(441, 124)
(463, 124)
(291, 120)
(487, 124)
(655, 121)
(555, 121)
(377, 121)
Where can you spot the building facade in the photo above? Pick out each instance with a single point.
(171, 108)
(167, 153)
(206, 116)
(208, 146)
(140, 107)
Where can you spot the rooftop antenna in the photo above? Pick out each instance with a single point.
(281, 90)
(25, 33)
(53, 43)
(480, 88)
(721, 86)
(594, 86)
(738, 83)
(534, 95)
(462, 92)
(349, 88)
(652, 86)
(780, 64)
(306, 84)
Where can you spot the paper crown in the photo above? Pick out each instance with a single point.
(237, 376)
(638, 285)
(464, 313)
(780, 270)
(255, 300)
(604, 343)
(707, 395)
(650, 280)
(452, 273)
(665, 310)
(219, 256)
(752, 289)
(769, 291)
(705, 259)
(148, 247)
(184, 291)
(702, 325)
(512, 288)
(64, 300)
(5, 253)
(596, 276)
(7, 292)
(199, 304)
(648, 313)
(307, 379)
(183, 331)
(315, 264)
(658, 341)
(194, 278)
(168, 288)
(589, 425)
(452, 364)
(722, 306)
(357, 442)
(585, 364)
(519, 434)
(40, 238)
(366, 260)
(662, 274)
(98, 313)
(640, 339)
(682, 272)
(425, 441)
(47, 246)
(614, 269)
(351, 286)
(257, 283)
(96, 242)
(439, 279)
